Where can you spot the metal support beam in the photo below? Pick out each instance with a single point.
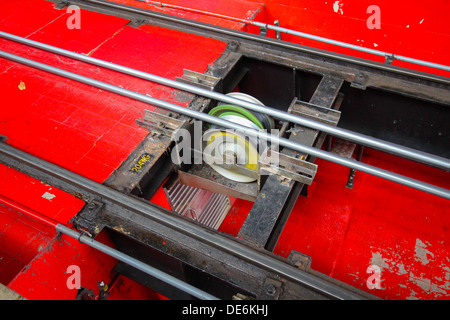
(262, 217)
(265, 213)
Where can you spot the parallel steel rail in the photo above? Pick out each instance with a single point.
(305, 35)
(391, 176)
(88, 189)
(224, 33)
(362, 139)
(65, 229)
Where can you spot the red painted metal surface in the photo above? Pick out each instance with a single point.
(403, 231)
(89, 131)
(413, 29)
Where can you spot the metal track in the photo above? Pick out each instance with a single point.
(362, 139)
(167, 278)
(83, 238)
(230, 125)
(222, 33)
(162, 219)
(278, 30)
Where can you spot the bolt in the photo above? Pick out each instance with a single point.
(299, 264)
(270, 289)
(233, 45)
(91, 206)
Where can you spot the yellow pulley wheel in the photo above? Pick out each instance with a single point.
(226, 149)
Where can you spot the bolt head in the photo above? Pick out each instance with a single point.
(270, 289)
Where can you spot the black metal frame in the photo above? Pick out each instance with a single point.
(215, 254)
(185, 248)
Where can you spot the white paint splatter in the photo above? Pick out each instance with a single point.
(401, 269)
(438, 289)
(375, 45)
(409, 271)
(427, 285)
(48, 196)
(337, 7)
(378, 260)
(412, 296)
(421, 21)
(422, 254)
(423, 283)
(407, 26)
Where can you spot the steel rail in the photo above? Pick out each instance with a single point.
(362, 139)
(102, 5)
(423, 186)
(152, 271)
(353, 47)
(69, 181)
(303, 35)
(28, 212)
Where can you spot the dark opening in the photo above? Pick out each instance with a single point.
(274, 85)
(393, 117)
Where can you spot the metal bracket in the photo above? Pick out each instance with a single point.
(136, 23)
(360, 81)
(299, 260)
(263, 31)
(85, 221)
(315, 112)
(271, 290)
(92, 209)
(389, 58)
(61, 5)
(278, 33)
(160, 124)
(232, 46)
(201, 80)
(287, 167)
